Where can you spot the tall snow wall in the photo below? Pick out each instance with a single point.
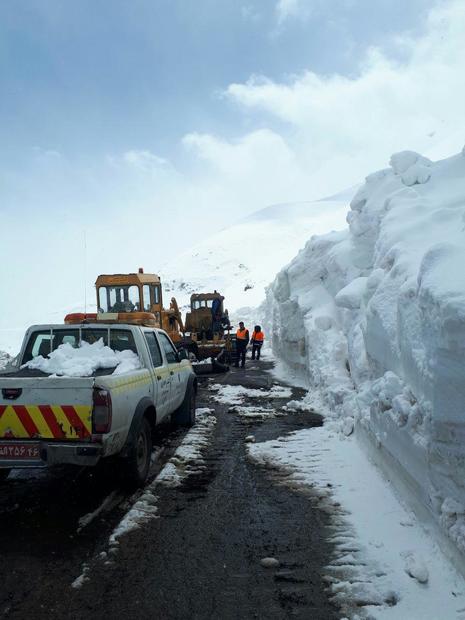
(374, 316)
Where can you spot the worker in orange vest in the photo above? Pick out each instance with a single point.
(257, 341)
(242, 340)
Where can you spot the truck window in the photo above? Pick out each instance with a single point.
(119, 299)
(151, 296)
(40, 343)
(93, 335)
(65, 336)
(43, 342)
(154, 349)
(122, 340)
(170, 351)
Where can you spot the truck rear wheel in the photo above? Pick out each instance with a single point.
(185, 413)
(137, 463)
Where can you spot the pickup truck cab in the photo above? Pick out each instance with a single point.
(47, 419)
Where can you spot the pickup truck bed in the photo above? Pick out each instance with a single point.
(27, 373)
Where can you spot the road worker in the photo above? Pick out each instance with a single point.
(257, 341)
(242, 340)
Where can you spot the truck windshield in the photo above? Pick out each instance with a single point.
(119, 299)
(204, 303)
(44, 341)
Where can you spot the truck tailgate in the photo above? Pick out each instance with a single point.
(46, 408)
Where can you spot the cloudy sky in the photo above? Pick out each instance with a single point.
(131, 127)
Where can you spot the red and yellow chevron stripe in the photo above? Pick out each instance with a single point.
(45, 421)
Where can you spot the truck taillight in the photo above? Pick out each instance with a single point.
(101, 413)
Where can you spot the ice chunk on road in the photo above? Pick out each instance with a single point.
(269, 562)
(416, 568)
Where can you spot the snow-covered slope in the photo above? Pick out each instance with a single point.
(239, 261)
(243, 258)
(375, 316)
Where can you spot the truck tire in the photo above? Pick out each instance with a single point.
(136, 465)
(4, 474)
(185, 413)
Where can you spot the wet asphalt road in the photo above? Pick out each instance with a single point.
(199, 559)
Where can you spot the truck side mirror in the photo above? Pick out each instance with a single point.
(183, 355)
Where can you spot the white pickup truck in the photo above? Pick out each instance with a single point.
(47, 420)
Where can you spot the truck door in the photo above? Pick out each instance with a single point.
(160, 375)
(177, 387)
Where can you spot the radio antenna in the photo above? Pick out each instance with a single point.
(85, 271)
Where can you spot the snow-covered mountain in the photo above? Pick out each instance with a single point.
(243, 258)
(239, 261)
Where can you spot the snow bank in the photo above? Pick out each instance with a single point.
(375, 317)
(384, 564)
(188, 458)
(85, 360)
(5, 359)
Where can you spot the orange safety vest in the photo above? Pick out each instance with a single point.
(258, 336)
(242, 334)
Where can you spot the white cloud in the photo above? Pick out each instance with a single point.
(286, 9)
(344, 126)
(247, 173)
(144, 160)
(249, 13)
(46, 154)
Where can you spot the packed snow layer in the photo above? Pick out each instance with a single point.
(385, 565)
(236, 394)
(188, 458)
(84, 360)
(375, 317)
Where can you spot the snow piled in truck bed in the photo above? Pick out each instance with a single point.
(83, 361)
(5, 359)
(375, 317)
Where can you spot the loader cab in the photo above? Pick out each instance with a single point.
(136, 294)
(207, 314)
(207, 300)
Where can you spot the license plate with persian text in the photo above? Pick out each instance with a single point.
(27, 451)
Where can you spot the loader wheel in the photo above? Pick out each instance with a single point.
(4, 474)
(185, 413)
(137, 463)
